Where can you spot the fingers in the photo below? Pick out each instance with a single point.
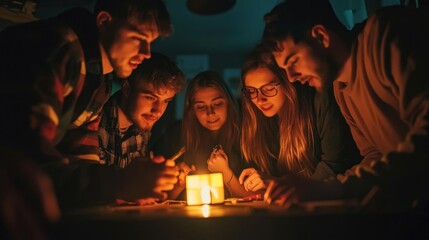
(159, 159)
(181, 178)
(222, 153)
(165, 183)
(280, 194)
(245, 173)
(255, 187)
(159, 196)
(169, 170)
(253, 182)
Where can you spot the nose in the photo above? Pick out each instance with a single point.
(158, 108)
(144, 52)
(292, 75)
(260, 97)
(210, 110)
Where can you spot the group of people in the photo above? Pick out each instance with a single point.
(324, 112)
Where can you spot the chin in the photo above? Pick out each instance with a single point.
(213, 128)
(145, 127)
(269, 114)
(123, 73)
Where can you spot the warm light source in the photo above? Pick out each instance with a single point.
(204, 189)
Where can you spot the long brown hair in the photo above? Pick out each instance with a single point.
(287, 138)
(194, 133)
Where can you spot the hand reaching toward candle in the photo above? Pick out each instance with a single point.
(282, 191)
(148, 179)
(292, 188)
(184, 170)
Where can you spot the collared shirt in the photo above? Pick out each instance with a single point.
(62, 89)
(117, 147)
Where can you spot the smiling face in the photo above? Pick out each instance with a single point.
(127, 44)
(305, 63)
(146, 105)
(210, 108)
(259, 77)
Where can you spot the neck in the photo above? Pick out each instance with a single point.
(105, 61)
(123, 120)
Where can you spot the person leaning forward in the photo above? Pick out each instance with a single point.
(57, 76)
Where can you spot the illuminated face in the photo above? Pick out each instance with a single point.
(146, 105)
(127, 45)
(262, 78)
(304, 63)
(210, 107)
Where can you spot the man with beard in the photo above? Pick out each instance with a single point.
(379, 77)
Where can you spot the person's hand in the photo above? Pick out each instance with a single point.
(27, 199)
(252, 179)
(292, 188)
(184, 170)
(218, 162)
(282, 191)
(148, 179)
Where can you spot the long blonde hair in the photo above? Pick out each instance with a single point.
(195, 135)
(287, 138)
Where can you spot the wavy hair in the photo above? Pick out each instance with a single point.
(287, 138)
(194, 133)
(142, 11)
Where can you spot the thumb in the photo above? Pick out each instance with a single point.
(158, 159)
(243, 175)
(161, 196)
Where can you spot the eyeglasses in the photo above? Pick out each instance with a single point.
(268, 90)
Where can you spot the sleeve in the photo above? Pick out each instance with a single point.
(367, 150)
(338, 150)
(400, 178)
(408, 64)
(82, 143)
(41, 69)
(40, 66)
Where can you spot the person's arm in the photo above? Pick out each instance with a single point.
(367, 150)
(338, 149)
(219, 162)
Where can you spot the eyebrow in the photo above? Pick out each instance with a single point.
(288, 57)
(144, 91)
(214, 99)
(271, 82)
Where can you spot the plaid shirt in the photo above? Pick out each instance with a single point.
(118, 148)
(41, 66)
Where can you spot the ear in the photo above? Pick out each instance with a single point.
(320, 33)
(103, 19)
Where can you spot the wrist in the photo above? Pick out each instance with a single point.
(228, 177)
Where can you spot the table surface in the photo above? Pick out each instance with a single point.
(237, 220)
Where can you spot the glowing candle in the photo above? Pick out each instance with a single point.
(204, 189)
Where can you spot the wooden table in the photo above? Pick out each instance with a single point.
(251, 220)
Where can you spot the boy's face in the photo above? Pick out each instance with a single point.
(127, 44)
(144, 105)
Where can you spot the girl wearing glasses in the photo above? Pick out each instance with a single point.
(289, 128)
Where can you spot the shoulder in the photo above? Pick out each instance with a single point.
(396, 19)
(324, 100)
